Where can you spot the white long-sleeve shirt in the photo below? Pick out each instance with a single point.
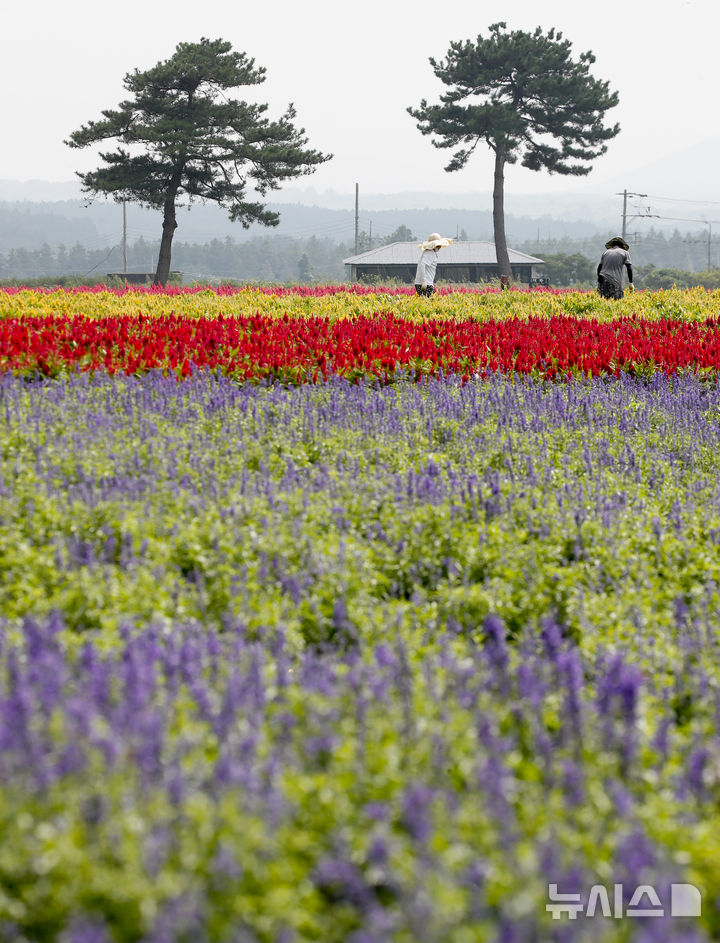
(427, 266)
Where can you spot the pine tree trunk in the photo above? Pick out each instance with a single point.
(501, 251)
(168, 231)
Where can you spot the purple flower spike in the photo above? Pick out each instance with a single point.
(416, 812)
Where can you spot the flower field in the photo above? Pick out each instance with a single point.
(349, 616)
(298, 336)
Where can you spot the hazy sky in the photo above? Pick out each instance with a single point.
(352, 70)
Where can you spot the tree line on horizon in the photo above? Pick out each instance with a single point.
(659, 262)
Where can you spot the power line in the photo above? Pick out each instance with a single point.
(670, 199)
(678, 219)
(707, 222)
(100, 262)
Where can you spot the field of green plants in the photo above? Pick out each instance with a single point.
(338, 615)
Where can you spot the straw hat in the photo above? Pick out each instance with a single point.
(617, 242)
(435, 241)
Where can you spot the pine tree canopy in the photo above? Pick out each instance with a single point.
(521, 93)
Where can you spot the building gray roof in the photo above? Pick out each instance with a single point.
(459, 253)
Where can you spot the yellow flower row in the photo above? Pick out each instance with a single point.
(684, 304)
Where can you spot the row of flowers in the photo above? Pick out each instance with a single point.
(283, 291)
(337, 302)
(259, 346)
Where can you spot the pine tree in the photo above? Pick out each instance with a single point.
(190, 141)
(524, 96)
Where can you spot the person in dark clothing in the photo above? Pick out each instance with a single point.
(610, 269)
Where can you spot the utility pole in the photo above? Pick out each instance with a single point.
(709, 244)
(625, 194)
(357, 218)
(371, 234)
(124, 236)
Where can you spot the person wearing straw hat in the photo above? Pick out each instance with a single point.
(614, 259)
(427, 266)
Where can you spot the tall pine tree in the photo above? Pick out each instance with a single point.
(525, 97)
(182, 138)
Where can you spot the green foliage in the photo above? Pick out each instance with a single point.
(569, 271)
(365, 241)
(709, 279)
(684, 253)
(648, 276)
(171, 548)
(196, 143)
(304, 269)
(48, 281)
(264, 259)
(514, 89)
(401, 234)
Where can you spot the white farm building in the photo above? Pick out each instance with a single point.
(460, 262)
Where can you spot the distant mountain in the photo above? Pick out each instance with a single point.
(39, 190)
(35, 212)
(565, 207)
(29, 224)
(675, 182)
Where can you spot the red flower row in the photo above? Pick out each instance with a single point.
(312, 348)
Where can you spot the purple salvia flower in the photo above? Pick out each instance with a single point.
(416, 812)
(342, 881)
(495, 645)
(85, 931)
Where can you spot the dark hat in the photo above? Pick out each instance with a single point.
(617, 242)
